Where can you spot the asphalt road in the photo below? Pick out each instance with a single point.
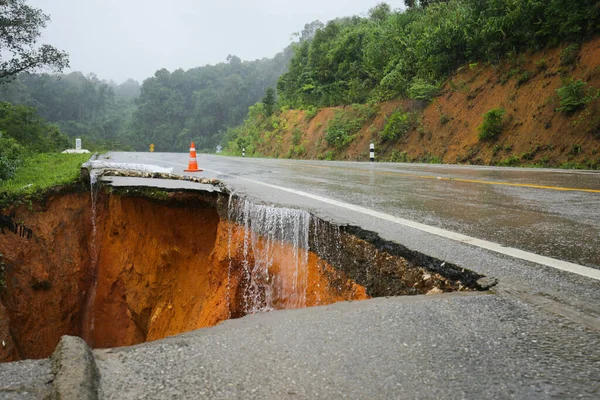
(421, 347)
(535, 335)
(554, 213)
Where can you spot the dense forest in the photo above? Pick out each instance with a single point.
(170, 109)
(97, 111)
(410, 53)
(199, 105)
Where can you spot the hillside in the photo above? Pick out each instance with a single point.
(534, 132)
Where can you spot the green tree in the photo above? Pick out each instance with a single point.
(11, 156)
(20, 27)
(269, 101)
(22, 124)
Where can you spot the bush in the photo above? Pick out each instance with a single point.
(296, 136)
(311, 112)
(421, 90)
(397, 125)
(492, 125)
(569, 55)
(524, 77)
(511, 161)
(11, 156)
(541, 64)
(344, 126)
(398, 156)
(574, 96)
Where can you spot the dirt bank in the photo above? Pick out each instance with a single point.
(445, 130)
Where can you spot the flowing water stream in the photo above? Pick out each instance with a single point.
(271, 278)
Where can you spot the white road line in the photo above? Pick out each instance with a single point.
(484, 244)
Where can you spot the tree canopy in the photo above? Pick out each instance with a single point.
(379, 57)
(99, 112)
(175, 108)
(20, 27)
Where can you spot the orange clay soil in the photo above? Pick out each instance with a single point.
(446, 129)
(163, 267)
(46, 277)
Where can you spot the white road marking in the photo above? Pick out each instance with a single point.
(484, 244)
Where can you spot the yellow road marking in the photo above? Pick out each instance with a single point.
(439, 178)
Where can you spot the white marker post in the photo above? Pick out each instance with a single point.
(78, 144)
(372, 155)
(243, 152)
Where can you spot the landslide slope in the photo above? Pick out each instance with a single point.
(446, 129)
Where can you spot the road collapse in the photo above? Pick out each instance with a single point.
(121, 265)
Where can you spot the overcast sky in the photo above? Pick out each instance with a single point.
(120, 39)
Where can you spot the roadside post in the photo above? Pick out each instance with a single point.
(243, 152)
(372, 153)
(78, 144)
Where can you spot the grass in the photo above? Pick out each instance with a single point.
(40, 172)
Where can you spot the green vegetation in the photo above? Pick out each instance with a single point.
(24, 125)
(524, 77)
(96, 111)
(492, 124)
(421, 90)
(574, 96)
(569, 54)
(397, 125)
(201, 104)
(394, 53)
(11, 156)
(23, 132)
(269, 101)
(346, 124)
(511, 161)
(541, 64)
(40, 172)
(311, 112)
(21, 27)
(398, 156)
(342, 129)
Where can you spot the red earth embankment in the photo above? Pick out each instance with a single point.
(445, 130)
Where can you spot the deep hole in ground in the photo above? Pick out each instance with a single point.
(131, 265)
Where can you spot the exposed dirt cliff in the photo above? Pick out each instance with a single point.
(445, 130)
(46, 276)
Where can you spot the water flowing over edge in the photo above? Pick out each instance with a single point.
(265, 228)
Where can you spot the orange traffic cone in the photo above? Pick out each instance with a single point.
(193, 165)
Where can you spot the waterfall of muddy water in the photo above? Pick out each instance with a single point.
(268, 285)
(90, 297)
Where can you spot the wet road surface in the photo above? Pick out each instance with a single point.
(535, 335)
(554, 213)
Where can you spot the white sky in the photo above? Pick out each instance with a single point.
(120, 39)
